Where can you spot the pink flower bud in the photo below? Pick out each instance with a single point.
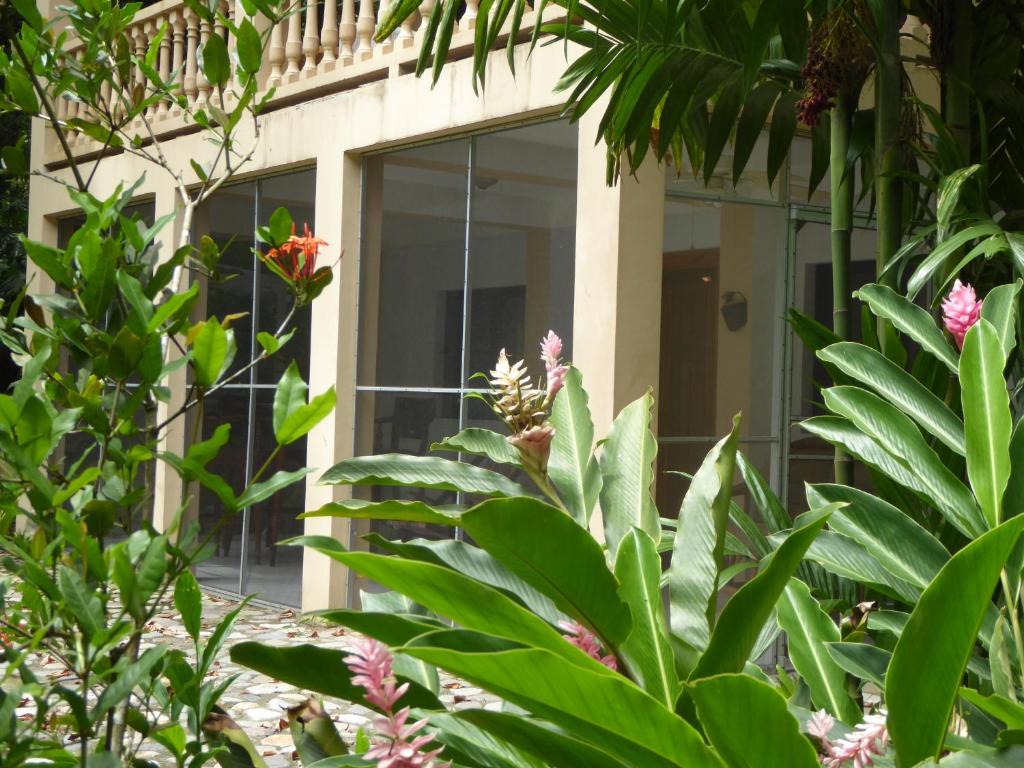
(551, 354)
(960, 310)
(587, 642)
(534, 445)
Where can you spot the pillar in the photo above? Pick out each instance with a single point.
(325, 582)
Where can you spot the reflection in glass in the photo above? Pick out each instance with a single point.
(752, 184)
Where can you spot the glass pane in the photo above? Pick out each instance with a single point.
(414, 267)
(229, 218)
(523, 240)
(811, 461)
(274, 573)
(296, 192)
(721, 327)
(813, 296)
(228, 406)
(752, 185)
(405, 422)
(800, 179)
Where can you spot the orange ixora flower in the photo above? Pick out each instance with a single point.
(294, 261)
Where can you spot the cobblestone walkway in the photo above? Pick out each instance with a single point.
(257, 702)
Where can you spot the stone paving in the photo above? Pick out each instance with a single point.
(257, 702)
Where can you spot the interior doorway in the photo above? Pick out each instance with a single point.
(687, 376)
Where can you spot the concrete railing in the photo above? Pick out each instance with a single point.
(307, 56)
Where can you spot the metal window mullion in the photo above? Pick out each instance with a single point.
(785, 412)
(466, 304)
(250, 440)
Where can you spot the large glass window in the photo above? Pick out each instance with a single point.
(468, 248)
(246, 558)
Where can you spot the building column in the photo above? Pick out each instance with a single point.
(167, 485)
(325, 582)
(617, 295)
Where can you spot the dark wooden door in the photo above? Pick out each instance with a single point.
(687, 377)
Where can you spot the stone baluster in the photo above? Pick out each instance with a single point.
(293, 43)
(468, 20)
(365, 27)
(382, 13)
(347, 30)
(238, 15)
(164, 69)
(311, 39)
(138, 86)
(202, 84)
(275, 54)
(329, 37)
(426, 8)
(406, 32)
(177, 22)
(189, 85)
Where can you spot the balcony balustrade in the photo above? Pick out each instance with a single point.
(319, 48)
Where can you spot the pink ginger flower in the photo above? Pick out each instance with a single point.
(534, 444)
(960, 310)
(400, 747)
(587, 642)
(868, 740)
(551, 354)
(820, 726)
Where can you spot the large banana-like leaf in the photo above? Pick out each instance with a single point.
(742, 618)
(699, 545)
(933, 650)
(808, 630)
(986, 404)
(480, 442)
(899, 437)
(399, 469)
(552, 553)
(845, 557)
(572, 465)
(909, 319)
(548, 745)
(647, 651)
(460, 598)
(605, 708)
(627, 470)
(477, 564)
(769, 736)
(1000, 309)
(391, 509)
(900, 545)
(871, 367)
(867, 662)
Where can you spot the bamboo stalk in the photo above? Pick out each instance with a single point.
(841, 215)
(888, 108)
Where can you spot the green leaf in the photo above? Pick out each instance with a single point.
(755, 112)
(572, 466)
(699, 544)
(934, 261)
(927, 666)
(1008, 758)
(986, 405)
(264, 489)
(899, 437)
(304, 666)
(213, 60)
(892, 382)
(949, 196)
(289, 396)
(131, 675)
(545, 548)
(1000, 309)
(808, 631)
(868, 662)
(421, 472)
(21, 91)
(299, 422)
(780, 134)
(460, 598)
(607, 709)
(911, 320)
(389, 628)
(742, 618)
(82, 601)
(647, 651)
(390, 509)
(248, 48)
(281, 226)
(627, 471)
(210, 352)
(188, 600)
(769, 736)
(845, 557)
(893, 538)
(1009, 712)
(480, 442)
